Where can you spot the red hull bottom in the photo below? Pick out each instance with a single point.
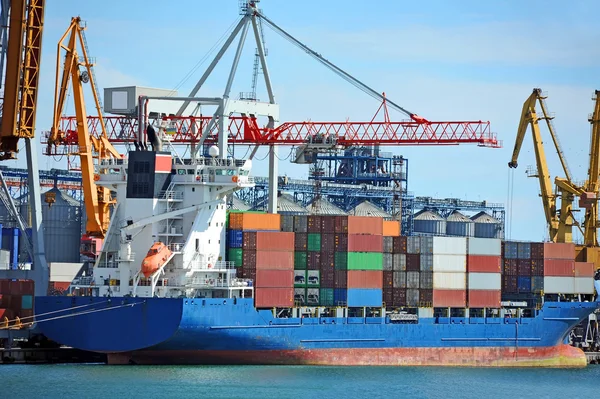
(556, 356)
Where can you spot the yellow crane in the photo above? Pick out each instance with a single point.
(77, 69)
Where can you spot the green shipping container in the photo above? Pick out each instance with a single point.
(314, 242)
(235, 255)
(300, 260)
(365, 261)
(341, 261)
(326, 297)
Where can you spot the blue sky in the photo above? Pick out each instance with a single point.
(466, 60)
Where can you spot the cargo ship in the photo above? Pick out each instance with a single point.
(180, 280)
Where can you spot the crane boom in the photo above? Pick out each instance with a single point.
(589, 198)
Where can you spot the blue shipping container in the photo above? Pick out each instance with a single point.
(524, 250)
(511, 250)
(537, 284)
(235, 238)
(359, 297)
(340, 296)
(524, 284)
(27, 302)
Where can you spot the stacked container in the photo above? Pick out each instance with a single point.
(391, 232)
(449, 270)
(562, 275)
(484, 282)
(16, 299)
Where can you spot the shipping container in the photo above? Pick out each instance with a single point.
(314, 224)
(584, 285)
(388, 262)
(365, 261)
(412, 297)
(426, 280)
(426, 245)
(524, 267)
(510, 284)
(341, 279)
(523, 250)
(484, 263)
(537, 284)
(554, 250)
(399, 297)
(365, 225)
(425, 298)
(327, 260)
(326, 296)
(274, 259)
(391, 228)
(314, 242)
(559, 285)
(301, 242)
(340, 296)
(399, 279)
(341, 224)
(426, 262)
(524, 284)
(300, 260)
(249, 259)
(559, 267)
(537, 267)
(449, 263)
(287, 223)
(412, 280)
(484, 246)
(510, 267)
(328, 278)
(388, 280)
(537, 250)
(413, 245)
(388, 297)
(249, 274)
(485, 281)
(254, 221)
(299, 278)
(300, 224)
(449, 298)
(510, 250)
(313, 261)
(313, 296)
(235, 238)
(328, 224)
(365, 243)
(328, 242)
(484, 298)
(274, 297)
(399, 262)
(235, 255)
(365, 279)
(449, 245)
(300, 296)
(341, 242)
(449, 281)
(413, 262)
(341, 260)
(313, 278)
(360, 297)
(274, 278)
(388, 245)
(584, 269)
(400, 245)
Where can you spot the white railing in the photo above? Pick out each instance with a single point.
(171, 195)
(197, 282)
(83, 281)
(129, 258)
(219, 265)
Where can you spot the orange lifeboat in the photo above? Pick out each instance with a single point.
(155, 259)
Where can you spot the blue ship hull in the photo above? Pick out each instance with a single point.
(209, 331)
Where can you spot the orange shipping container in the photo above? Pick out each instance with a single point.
(273, 297)
(391, 228)
(449, 298)
(559, 267)
(280, 260)
(254, 221)
(484, 264)
(365, 279)
(584, 269)
(484, 298)
(274, 278)
(365, 243)
(365, 225)
(554, 250)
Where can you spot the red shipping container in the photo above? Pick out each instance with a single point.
(327, 260)
(328, 224)
(484, 298)
(537, 267)
(273, 297)
(5, 287)
(559, 267)
(510, 267)
(2, 312)
(388, 279)
(274, 241)
(365, 243)
(266, 278)
(301, 241)
(388, 296)
(413, 262)
(555, 250)
(484, 264)
(27, 287)
(328, 278)
(365, 279)
(449, 298)
(341, 242)
(399, 297)
(365, 225)
(313, 261)
(328, 242)
(14, 287)
(314, 224)
(509, 284)
(282, 260)
(399, 245)
(426, 298)
(537, 250)
(26, 315)
(341, 279)
(341, 224)
(584, 269)
(524, 267)
(249, 240)
(249, 274)
(6, 301)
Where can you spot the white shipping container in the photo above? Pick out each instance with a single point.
(485, 281)
(449, 281)
(584, 285)
(450, 263)
(559, 285)
(450, 245)
(484, 246)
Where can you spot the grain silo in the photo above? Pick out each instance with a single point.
(487, 226)
(324, 207)
(366, 208)
(287, 206)
(459, 225)
(429, 222)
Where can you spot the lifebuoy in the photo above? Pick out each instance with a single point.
(209, 265)
(198, 178)
(234, 179)
(96, 177)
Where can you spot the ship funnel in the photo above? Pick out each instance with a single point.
(154, 139)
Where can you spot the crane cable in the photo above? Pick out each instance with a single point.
(509, 202)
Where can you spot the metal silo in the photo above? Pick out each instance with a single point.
(429, 222)
(287, 206)
(487, 226)
(458, 224)
(366, 208)
(324, 207)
